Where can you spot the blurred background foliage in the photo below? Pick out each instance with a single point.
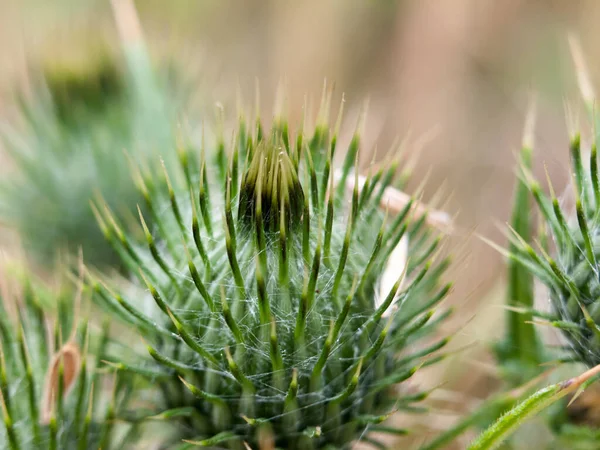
(456, 75)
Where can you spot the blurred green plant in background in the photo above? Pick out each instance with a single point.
(77, 126)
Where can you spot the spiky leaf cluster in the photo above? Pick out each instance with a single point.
(568, 262)
(263, 314)
(51, 398)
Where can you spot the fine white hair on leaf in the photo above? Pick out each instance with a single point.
(396, 265)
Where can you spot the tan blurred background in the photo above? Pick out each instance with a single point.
(460, 71)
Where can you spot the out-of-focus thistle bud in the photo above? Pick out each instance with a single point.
(81, 118)
(258, 292)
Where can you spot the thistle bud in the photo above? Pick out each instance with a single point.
(270, 313)
(270, 188)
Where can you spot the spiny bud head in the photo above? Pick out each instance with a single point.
(261, 291)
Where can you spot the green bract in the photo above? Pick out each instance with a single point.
(263, 320)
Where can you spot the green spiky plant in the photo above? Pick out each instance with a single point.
(263, 321)
(565, 263)
(566, 260)
(52, 396)
(76, 127)
(570, 272)
(562, 263)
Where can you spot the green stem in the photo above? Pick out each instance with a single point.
(508, 423)
(520, 353)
